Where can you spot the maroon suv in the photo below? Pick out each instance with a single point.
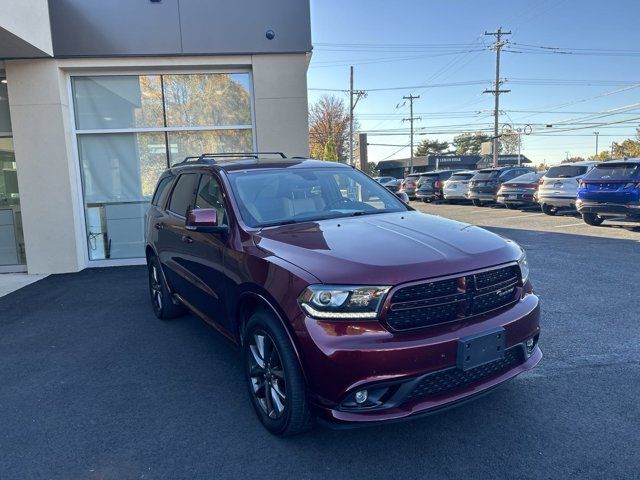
(348, 305)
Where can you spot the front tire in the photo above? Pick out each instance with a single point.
(476, 203)
(510, 206)
(276, 385)
(161, 300)
(592, 219)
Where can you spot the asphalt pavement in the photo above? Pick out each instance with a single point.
(93, 386)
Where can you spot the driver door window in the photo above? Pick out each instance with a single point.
(210, 196)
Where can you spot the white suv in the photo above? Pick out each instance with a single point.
(455, 189)
(559, 187)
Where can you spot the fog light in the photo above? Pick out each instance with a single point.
(530, 343)
(361, 396)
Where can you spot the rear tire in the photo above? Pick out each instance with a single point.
(592, 219)
(161, 300)
(275, 382)
(476, 203)
(548, 209)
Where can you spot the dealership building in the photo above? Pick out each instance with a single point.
(97, 98)
(400, 168)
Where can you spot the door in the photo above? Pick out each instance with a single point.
(12, 252)
(206, 255)
(172, 235)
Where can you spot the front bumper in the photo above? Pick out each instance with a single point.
(340, 358)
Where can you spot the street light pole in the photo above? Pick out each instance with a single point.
(596, 134)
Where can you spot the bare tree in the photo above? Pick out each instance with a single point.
(329, 119)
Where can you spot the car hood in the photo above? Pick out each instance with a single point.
(386, 249)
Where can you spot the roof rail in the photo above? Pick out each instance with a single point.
(209, 158)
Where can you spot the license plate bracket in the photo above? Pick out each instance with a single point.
(477, 350)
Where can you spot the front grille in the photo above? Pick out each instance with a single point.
(454, 378)
(442, 301)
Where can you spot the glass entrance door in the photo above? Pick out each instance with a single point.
(12, 254)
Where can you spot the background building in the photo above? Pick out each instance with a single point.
(98, 98)
(400, 167)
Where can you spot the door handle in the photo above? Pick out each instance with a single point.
(187, 239)
(157, 226)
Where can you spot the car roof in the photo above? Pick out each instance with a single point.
(229, 164)
(438, 172)
(620, 161)
(583, 163)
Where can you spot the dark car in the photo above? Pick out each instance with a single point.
(611, 189)
(430, 185)
(409, 184)
(393, 185)
(520, 192)
(384, 180)
(484, 186)
(348, 306)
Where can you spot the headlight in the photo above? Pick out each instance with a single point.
(524, 268)
(342, 302)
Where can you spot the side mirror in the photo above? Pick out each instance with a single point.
(204, 220)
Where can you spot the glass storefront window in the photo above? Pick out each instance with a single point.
(183, 144)
(117, 102)
(11, 239)
(5, 119)
(165, 118)
(213, 99)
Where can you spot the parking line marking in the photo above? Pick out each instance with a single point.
(569, 225)
(523, 216)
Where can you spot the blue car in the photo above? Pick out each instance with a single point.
(611, 189)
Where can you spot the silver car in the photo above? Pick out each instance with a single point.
(455, 189)
(559, 187)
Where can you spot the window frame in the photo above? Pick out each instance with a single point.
(225, 200)
(70, 73)
(193, 194)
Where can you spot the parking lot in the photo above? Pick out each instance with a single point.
(92, 385)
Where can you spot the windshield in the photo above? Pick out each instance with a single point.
(619, 171)
(566, 171)
(278, 197)
(486, 174)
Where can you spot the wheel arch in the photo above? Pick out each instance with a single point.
(252, 300)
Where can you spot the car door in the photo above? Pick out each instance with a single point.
(172, 235)
(205, 255)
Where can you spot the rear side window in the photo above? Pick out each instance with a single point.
(183, 194)
(158, 195)
(566, 171)
(527, 177)
(619, 171)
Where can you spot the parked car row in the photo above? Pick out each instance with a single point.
(597, 190)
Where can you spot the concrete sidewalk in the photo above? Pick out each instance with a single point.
(10, 282)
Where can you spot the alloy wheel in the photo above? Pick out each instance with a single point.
(267, 375)
(156, 287)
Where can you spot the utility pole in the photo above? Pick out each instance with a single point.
(411, 118)
(358, 94)
(499, 43)
(596, 134)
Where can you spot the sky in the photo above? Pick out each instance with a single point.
(572, 64)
